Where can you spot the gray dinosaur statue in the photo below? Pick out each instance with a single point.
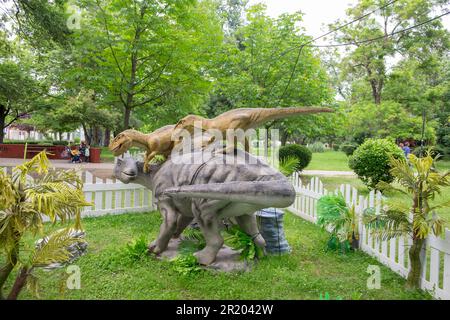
(221, 187)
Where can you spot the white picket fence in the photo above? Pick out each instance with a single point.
(110, 196)
(392, 253)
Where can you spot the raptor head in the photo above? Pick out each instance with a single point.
(126, 170)
(188, 122)
(121, 143)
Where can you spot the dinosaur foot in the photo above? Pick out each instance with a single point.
(205, 257)
(154, 248)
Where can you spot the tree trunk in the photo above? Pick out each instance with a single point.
(107, 139)
(20, 282)
(413, 279)
(6, 270)
(284, 137)
(2, 123)
(126, 120)
(87, 137)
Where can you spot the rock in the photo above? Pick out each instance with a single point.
(227, 259)
(75, 250)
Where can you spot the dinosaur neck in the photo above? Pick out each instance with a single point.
(139, 139)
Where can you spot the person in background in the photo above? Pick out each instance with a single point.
(75, 156)
(406, 149)
(401, 146)
(82, 149)
(87, 153)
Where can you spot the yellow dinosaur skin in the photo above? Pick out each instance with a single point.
(159, 142)
(243, 118)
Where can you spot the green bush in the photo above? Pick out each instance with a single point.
(336, 147)
(60, 143)
(300, 152)
(317, 147)
(348, 149)
(370, 161)
(19, 142)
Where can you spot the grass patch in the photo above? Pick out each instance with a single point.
(329, 160)
(108, 272)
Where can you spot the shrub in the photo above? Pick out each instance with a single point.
(60, 143)
(317, 147)
(298, 151)
(348, 149)
(370, 161)
(336, 147)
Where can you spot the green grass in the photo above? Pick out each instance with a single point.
(106, 273)
(329, 160)
(106, 155)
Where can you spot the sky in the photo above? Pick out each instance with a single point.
(316, 12)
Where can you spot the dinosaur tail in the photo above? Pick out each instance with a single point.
(270, 114)
(278, 193)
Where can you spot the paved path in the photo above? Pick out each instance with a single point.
(101, 167)
(65, 164)
(328, 173)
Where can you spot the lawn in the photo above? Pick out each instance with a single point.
(107, 273)
(329, 160)
(107, 156)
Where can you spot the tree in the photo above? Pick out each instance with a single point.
(421, 183)
(19, 89)
(149, 53)
(23, 205)
(258, 69)
(387, 120)
(367, 60)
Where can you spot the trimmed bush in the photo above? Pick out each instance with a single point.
(370, 161)
(297, 151)
(317, 147)
(348, 149)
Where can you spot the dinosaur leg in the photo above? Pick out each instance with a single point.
(167, 229)
(148, 157)
(248, 224)
(182, 223)
(209, 223)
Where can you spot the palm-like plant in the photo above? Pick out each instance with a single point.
(24, 202)
(421, 183)
(288, 165)
(341, 220)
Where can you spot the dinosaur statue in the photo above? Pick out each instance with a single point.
(210, 191)
(159, 142)
(244, 119)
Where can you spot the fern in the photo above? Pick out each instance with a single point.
(186, 265)
(239, 240)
